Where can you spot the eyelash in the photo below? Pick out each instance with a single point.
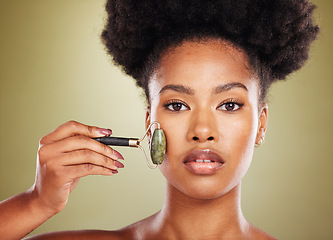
(171, 102)
(231, 101)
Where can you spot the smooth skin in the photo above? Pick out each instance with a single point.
(205, 96)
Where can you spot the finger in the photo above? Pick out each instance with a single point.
(73, 128)
(80, 157)
(83, 170)
(79, 142)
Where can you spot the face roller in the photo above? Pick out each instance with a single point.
(157, 145)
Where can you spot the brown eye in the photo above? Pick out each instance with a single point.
(230, 106)
(176, 106)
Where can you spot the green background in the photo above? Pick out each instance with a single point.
(53, 68)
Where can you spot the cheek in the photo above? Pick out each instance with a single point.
(239, 138)
(173, 152)
(238, 133)
(175, 132)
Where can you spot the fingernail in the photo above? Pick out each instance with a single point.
(118, 155)
(118, 164)
(114, 171)
(104, 131)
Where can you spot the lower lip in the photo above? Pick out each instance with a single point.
(202, 168)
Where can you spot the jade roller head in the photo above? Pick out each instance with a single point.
(157, 144)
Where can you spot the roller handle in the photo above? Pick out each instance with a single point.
(118, 141)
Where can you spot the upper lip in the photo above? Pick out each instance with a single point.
(204, 154)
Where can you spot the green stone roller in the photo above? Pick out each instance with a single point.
(157, 145)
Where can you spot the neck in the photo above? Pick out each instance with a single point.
(186, 217)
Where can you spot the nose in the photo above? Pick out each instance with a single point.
(203, 127)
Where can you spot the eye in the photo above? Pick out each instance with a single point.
(230, 106)
(176, 106)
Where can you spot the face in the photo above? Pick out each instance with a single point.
(205, 97)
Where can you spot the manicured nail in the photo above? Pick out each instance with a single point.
(118, 164)
(105, 132)
(118, 155)
(114, 171)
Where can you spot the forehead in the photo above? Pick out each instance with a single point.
(202, 65)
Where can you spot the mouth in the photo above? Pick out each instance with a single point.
(203, 162)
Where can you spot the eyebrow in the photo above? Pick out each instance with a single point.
(228, 86)
(190, 91)
(177, 88)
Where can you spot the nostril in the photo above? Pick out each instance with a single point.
(209, 139)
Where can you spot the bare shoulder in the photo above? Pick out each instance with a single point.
(83, 234)
(256, 233)
(129, 232)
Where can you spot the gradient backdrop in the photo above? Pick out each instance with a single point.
(53, 68)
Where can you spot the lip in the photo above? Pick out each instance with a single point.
(203, 162)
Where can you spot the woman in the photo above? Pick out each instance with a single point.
(206, 68)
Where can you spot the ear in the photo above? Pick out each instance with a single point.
(147, 123)
(262, 123)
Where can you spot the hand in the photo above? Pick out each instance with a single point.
(67, 154)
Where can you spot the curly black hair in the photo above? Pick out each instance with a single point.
(275, 34)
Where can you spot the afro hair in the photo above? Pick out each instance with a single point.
(275, 34)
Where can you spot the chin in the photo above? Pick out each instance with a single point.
(202, 187)
(209, 191)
